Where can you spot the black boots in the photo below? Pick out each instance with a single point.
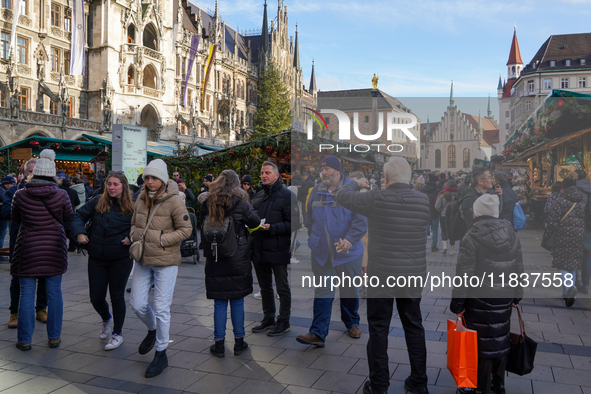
(281, 327)
(218, 349)
(157, 365)
(148, 342)
(240, 346)
(267, 323)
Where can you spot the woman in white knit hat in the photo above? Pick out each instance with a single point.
(160, 217)
(42, 210)
(489, 249)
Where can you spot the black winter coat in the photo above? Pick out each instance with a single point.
(107, 232)
(230, 279)
(397, 219)
(509, 198)
(305, 189)
(431, 190)
(278, 206)
(570, 233)
(490, 246)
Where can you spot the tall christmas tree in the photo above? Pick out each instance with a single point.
(274, 107)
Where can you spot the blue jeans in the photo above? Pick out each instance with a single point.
(158, 318)
(324, 297)
(26, 308)
(434, 225)
(574, 280)
(220, 317)
(3, 230)
(586, 268)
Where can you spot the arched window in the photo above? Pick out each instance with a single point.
(150, 37)
(131, 34)
(451, 156)
(513, 70)
(438, 158)
(466, 158)
(130, 75)
(149, 77)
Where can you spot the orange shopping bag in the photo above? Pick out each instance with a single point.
(462, 353)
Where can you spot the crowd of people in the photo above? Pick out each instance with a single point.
(357, 223)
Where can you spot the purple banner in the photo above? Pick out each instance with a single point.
(194, 46)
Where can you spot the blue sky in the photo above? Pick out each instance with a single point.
(416, 47)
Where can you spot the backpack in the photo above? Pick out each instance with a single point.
(220, 241)
(454, 224)
(519, 221)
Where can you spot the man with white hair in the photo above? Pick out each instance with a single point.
(397, 220)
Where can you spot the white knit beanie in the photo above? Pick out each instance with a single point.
(157, 168)
(487, 205)
(46, 164)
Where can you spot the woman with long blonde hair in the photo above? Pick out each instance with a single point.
(107, 241)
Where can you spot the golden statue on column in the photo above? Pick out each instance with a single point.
(374, 82)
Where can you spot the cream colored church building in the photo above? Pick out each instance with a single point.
(452, 144)
(137, 60)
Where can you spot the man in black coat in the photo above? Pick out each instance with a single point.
(305, 188)
(7, 183)
(492, 246)
(509, 196)
(270, 248)
(481, 183)
(431, 189)
(397, 218)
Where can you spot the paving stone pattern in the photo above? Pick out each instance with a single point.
(276, 365)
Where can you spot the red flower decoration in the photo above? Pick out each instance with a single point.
(560, 103)
(232, 153)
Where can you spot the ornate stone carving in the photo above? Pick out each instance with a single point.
(23, 69)
(107, 93)
(41, 66)
(151, 92)
(24, 20)
(7, 14)
(56, 31)
(152, 53)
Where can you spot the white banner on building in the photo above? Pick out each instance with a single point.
(16, 13)
(77, 48)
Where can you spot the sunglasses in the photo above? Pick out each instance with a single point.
(116, 172)
(246, 183)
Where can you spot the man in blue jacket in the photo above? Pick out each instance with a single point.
(334, 237)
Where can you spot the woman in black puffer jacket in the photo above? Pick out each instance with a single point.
(109, 263)
(228, 279)
(490, 247)
(569, 227)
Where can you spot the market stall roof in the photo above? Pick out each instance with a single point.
(157, 149)
(548, 144)
(357, 160)
(48, 139)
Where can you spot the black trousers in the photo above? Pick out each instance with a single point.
(112, 274)
(265, 273)
(491, 373)
(379, 314)
(15, 294)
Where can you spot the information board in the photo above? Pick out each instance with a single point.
(130, 150)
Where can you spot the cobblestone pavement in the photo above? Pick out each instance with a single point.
(276, 364)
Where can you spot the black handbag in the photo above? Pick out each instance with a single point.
(548, 242)
(521, 357)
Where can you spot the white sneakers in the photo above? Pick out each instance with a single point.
(105, 329)
(114, 342)
(257, 296)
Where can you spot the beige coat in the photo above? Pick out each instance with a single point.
(168, 228)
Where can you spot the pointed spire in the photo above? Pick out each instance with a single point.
(514, 54)
(265, 36)
(489, 111)
(312, 79)
(500, 86)
(452, 101)
(428, 131)
(479, 123)
(296, 52)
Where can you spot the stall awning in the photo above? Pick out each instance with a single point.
(361, 161)
(60, 155)
(157, 149)
(549, 144)
(27, 141)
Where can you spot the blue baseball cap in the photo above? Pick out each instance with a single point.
(8, 180)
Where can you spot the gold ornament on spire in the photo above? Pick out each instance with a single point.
(374, 82)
